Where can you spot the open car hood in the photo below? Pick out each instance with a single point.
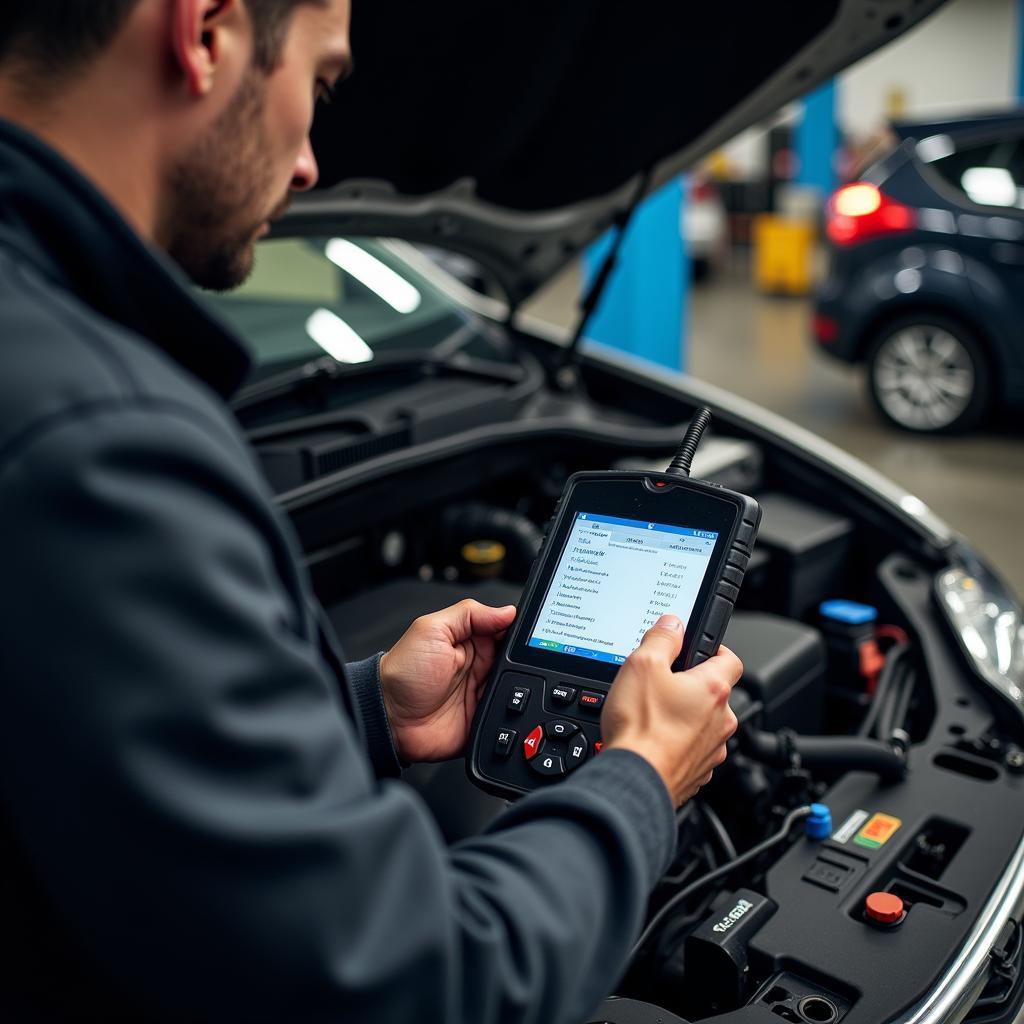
(518, 133)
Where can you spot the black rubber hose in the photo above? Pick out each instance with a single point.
(902, 703)
(887, 716)
(884, 685)
(852, 753)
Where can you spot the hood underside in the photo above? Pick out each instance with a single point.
(517, 134)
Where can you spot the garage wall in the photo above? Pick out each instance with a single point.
(962, 58)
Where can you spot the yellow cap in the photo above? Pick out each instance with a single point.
(483, 552)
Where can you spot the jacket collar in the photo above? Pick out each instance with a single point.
(60, 222)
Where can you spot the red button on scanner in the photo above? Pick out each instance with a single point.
(883, 907)
(531, 745)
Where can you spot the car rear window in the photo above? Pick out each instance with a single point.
(988, 173)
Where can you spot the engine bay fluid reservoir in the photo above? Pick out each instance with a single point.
(484, 559)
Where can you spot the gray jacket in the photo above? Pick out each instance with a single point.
(197, 822)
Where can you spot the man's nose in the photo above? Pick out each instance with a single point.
(305, 172)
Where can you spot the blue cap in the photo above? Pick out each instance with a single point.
(818, 824)
(850, 613)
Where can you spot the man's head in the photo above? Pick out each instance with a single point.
(212, 100)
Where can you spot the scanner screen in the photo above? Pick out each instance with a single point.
(615, 579)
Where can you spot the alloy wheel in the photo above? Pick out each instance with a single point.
(923, 377)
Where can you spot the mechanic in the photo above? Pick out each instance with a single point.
(198, 820)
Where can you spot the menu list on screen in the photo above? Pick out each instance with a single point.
(615, 579)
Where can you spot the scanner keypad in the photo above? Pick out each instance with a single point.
(561, 719)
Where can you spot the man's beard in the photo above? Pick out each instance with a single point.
(211, 216)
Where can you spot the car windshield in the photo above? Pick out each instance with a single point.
(353, 299)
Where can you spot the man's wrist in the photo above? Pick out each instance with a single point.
(389, 707)
(648, 751)
(366, 688)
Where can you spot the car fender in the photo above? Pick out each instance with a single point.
(937, 279)
(998, 310)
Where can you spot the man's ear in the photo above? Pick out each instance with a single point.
(196, 39)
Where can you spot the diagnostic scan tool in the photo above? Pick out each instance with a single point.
(623, 549)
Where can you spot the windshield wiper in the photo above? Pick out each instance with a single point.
(321, 373)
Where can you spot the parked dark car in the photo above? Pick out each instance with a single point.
(403, 419)
(926, 273)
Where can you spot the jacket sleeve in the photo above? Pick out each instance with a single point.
(177, 765)
(363, 678)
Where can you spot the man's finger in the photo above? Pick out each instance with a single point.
(664, 639)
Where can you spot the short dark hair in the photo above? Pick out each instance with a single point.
(55, 38)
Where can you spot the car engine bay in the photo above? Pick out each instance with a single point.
(854, 695)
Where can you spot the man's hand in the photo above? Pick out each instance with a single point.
(433, 676)
(678, 721)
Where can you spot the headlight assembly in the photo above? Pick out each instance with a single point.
(989, 624)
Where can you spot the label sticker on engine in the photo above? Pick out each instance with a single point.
(846, 831)
(878, 831)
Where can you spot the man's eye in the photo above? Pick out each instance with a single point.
(324, 92)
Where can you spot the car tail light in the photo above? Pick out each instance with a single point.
(825, 328)
(861, 211)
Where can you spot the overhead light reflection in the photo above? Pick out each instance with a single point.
(380, 279)
(935, 147)
(336, 338)
(948, 260)
(990, 186)
(913, 505)
(936, 220)
(908, 280)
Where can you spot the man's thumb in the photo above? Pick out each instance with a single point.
(486, 619)
(665, 637)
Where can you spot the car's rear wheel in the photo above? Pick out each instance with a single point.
(928, 374)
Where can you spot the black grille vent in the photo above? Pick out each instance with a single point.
(330, 457)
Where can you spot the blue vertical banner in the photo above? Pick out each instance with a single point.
(1020, 51)
(643, 309)
(817, 140)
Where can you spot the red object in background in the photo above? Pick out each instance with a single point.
(861, 211)
(702, 190)
(893, 633)
(872, 661)
(825, 328)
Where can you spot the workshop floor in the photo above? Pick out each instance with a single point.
(759, 347)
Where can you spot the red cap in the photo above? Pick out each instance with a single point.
(883, 907)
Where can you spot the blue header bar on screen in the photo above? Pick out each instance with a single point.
(640, 524)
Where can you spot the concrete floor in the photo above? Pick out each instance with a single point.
(760, 348)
